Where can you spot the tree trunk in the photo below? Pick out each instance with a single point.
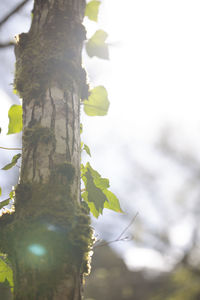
(48, 238)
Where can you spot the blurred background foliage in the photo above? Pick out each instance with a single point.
(159, 179)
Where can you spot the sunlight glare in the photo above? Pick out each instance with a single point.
(37, 249)
(154, 74)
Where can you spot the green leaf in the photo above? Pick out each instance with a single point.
(113, 202)
(4, 203)
(13, 162)
(12, 194)
(0, 129)
(97, 103)
(96, 192)
(96, 45)
(81, 128)
(87, 149)
(15, 91)
(90, 205)
(5, 272)
(15, 119)
(93, 193)
(0, 191)
(101, 183)
(92, 10)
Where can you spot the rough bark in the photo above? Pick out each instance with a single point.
(48, 238)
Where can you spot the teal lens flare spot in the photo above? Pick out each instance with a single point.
(37, 249)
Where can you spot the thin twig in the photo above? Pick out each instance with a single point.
(12, 12)
(5, 200)
(7, 44)
(129, 225)
(119, 238)
(5, 148)
(110, 242)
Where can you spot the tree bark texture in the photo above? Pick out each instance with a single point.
(48, 238)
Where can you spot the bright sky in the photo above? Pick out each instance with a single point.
(154, 71)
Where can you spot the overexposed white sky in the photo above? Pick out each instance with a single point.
(154, 70)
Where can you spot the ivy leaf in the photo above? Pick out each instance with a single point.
(97, 103)
(15, 91)
(4, 203)
(92, 10)
(13, 162)
(81, 128)
(87, 149)
(15, 119)
(96, 45)
(101, 183)
(96, 192)
(113, 202)
(12, 194)
(93, 193)
(90, 205)
(6, 273)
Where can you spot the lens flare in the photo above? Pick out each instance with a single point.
(37, 249)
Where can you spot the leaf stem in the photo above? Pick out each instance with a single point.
(5, 148)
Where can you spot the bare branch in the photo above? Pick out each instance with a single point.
(119, 238)
(7, 44)
(12, 12)
(127, 227)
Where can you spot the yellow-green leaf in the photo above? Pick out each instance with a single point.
(6, 272)
(81, 128)
(15, 119)
(113, 202)
(96, 192)
(96, 45)
(13, 162)
(97, 103)
(92, 10)
(93, 193)
(4, 203)
(87, 149)
(90, 205)
(12, 194)
(0, 191)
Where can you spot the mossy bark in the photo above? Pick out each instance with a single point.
(48, 238)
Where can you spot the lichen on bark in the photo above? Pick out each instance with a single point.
(48, 239)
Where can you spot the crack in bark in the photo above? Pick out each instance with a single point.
(68, 154)
(34, 157)
(73, 125)
(25, 159)
(32, 121)
(53, 130)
